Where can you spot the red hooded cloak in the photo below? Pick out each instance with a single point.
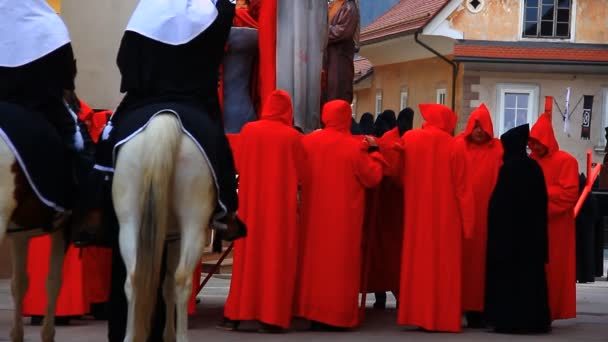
(561, 177)
(265, 263)
(338, 171)
(484, 162)
(438, 210)
(72, 299)
(384, 221)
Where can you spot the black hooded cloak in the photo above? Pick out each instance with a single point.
(366, 124)
(516, 283)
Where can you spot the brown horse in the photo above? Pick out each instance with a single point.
(21, 215)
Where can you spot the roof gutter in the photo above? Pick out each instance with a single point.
(452, 63)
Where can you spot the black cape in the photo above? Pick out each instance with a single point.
(516, 285)
(385, 122)
(366, 124)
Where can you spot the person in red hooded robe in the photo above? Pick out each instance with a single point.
(439, 211)
(264, 269)
(339, 168)
(484, 156)
(384, 217)
(561, 176)
(72, 301)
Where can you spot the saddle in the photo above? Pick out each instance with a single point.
(39, 153)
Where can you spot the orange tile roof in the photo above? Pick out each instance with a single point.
(406, 16)
(363, 67)
(498, 51)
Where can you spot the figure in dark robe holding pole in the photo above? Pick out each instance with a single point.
(342, 44)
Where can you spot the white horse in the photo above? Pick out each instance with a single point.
(162, 186)
(20, 211)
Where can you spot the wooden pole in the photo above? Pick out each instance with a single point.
(589, 167)
(587, 189)
(214, 269)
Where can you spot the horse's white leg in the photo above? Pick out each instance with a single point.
(128, 250)
(53, 284)
(172, 251)
(125, 195)
(19, 283)
(7, 188)
(194, 204)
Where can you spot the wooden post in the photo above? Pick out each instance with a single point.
(589, 167)
(214, 269)
(549, 106)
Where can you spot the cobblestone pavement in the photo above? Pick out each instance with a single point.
(591, 324)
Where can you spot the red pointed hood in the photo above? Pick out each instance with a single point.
(542, 131)
(482, 115)
(278, 107)
(438, 116)
(337, 115)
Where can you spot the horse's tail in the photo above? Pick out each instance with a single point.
(161, 140)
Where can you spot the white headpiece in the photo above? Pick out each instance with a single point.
(29, 29)
(173, 22)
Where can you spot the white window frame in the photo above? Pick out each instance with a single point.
(403, 95)
(354, 105)
(378, 102)
(442, 93)
(520, 34)
(532, 90)
(602, 132)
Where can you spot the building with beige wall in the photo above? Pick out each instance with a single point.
(96, 28)
(508, 54)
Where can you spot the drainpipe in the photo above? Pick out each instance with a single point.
(454, 67)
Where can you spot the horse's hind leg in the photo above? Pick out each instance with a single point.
(172, 251)
(19, 283)
(194, 204)
(125, 195)
(53, 284)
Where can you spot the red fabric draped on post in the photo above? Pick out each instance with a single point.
(268, 47)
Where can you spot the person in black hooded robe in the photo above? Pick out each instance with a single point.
(405, 120)
(516, 283)
(366, 124)
(385, 122)
(354, 127)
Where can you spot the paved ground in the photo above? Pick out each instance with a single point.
(591, 324)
